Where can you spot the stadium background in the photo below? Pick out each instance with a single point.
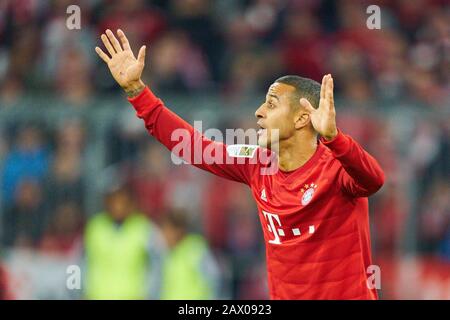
(67, 132)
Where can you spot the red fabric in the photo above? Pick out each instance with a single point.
(314, 219)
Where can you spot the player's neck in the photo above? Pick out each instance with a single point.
(295, 152)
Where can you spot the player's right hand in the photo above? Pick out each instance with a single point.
(124, 67)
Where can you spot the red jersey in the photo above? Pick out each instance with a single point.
(314, 219)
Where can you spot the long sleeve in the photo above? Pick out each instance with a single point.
(187, 143)
(362, 175)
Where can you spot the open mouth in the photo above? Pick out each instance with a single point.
(261, 130)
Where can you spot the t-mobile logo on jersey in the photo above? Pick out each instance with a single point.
(272, 228)
(278, 230)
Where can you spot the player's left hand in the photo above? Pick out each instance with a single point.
(323, 118)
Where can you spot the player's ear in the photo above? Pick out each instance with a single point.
(302, 119)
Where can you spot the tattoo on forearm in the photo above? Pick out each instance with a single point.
(134, 92)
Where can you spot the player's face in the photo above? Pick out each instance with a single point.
(275, 116)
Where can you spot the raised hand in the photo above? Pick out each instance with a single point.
(323, 118)
(124, 67)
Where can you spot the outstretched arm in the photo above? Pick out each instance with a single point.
(172, 131)
(362, 175)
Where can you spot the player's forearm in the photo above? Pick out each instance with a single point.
(147, 106)
(182, 139)
(168, 128)
(360, 165)
(133, 89)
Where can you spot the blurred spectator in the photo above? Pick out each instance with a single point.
(170, 71)
(251, 72)
(216, 211)
(190, 271)
(11, 90)
(65, 59)
(195, 18)
(157, 183)
(244, 241)
(348, 60)
(24, 221)
(72, 78)
(389, 218)
(22, 54)
(149, 180)
(424, 152)
(424, 88)
(65, 181)
(185, 191)
(63, 233)
(123, 251)
(197, 43)
(141, 20)
(358, 92)
(445, 247)
(301, 46)
(434, 223)
(28, 158)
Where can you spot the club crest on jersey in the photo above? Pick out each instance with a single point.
(308, 192)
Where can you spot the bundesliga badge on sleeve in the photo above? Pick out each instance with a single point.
(241, 150)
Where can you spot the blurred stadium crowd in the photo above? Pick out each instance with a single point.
(209, 58)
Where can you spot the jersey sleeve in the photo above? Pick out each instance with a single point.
(187, 143)
(361, 176)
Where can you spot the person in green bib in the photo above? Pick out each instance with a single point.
(189, 271)
(123, 252)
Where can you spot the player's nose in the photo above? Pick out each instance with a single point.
(259, 112)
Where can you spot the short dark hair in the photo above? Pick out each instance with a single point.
(304, 88)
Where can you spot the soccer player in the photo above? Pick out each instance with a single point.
(314, 208)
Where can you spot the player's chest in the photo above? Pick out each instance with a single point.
(292, 195)
(293, 209)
